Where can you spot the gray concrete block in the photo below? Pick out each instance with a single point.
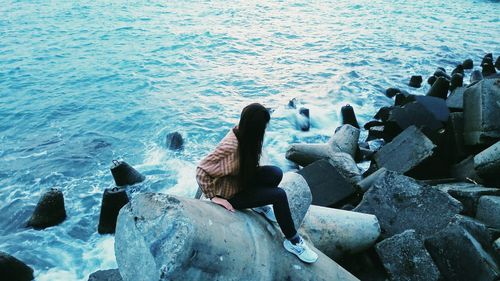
(468, 194)
(405, 258)
(488, 210)
(401, 203)
(328, 186)
(482, 112)
(487, 162)
(459, 256)
(164, 237)
(405, 151)
(455, 101)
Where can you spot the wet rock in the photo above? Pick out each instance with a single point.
(459, 256)
(405, 258)
(165, 237)
(468, 64)
(305, 123)
(292, 103)
(405, 151)
(337, 232)
(49, 211)
(481, 112)
(415, 81)
(488, 210)
(431, 80)
(348, 116)
(497, 63)
(112, 201)
(401, 203)
(455, 101)
(475, 77)
(106, 275)
(12, 269)
(331, 190)
(457, 80)
(124, 174)
(174, 141)
(440, 88)
(391, 92)
(468, 194)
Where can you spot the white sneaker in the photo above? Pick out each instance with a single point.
(267, 211)
(301, 250)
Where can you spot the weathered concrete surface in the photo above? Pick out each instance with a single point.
(468, 194)
(459, 256)
(106, 275)
(346, 166)
(482, 112)
(298, 194)
(401, 203)
(328, 186)
(488, 161)
(337, 232)
(163, 237)
(405, 258)
(344, 140)
(488, 210)
(405, 151)
(456, 100)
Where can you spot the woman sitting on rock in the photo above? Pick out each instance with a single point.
(231, 176)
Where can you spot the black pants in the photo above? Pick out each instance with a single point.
(264, 191)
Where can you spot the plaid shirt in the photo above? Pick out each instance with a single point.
(217, 172)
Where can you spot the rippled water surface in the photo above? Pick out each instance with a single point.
(85, 82)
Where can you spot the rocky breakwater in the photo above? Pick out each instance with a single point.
(432, 181)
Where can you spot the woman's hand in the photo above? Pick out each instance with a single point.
(223, 202)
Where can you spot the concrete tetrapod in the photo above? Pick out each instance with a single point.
(337, 232)
(344, 140)
(164, 237)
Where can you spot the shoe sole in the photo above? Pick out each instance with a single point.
(291, 251)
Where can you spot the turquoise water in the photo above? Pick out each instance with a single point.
(87, 82)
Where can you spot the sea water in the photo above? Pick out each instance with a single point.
(86, 82)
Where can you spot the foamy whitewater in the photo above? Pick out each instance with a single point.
(86, 82)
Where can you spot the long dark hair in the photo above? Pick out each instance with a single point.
(250, 134)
